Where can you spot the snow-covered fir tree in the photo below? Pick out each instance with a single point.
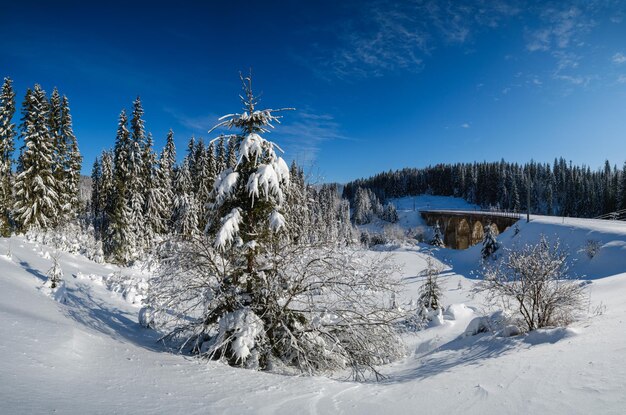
(390, 214)
(7, 145)
(106, 195)
(36, 197)
(437, 238)
(72, 162)
(60, 151)
(220, 161)
(490, 243)
(622, 189)
(167, 161)
(120, 242)
(429, 302)
(96, 186)
(55, 273)
(297, 213)
(156, 213)
(136, 185)
(231, 154)
(362, 210)
(185, 216)
(254, 298)
(206, 179)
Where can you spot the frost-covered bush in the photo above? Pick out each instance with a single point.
(72, 237)
(315, 309)
(533, 284)
(394, 233)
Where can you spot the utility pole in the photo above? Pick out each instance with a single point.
(528, 184)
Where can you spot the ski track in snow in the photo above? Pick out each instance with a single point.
(91, 356)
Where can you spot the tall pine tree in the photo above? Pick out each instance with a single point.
(120, 243)
(7, 145)
(36, 204)
(72, 162)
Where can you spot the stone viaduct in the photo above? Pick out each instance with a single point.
(462, 229)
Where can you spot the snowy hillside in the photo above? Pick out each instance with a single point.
(89, 355)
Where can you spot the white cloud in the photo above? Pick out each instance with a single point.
(619, 58)
(574, 80)
(622, 79)
(199, 124)
(302, 133)
(561, 29)
(465, 125)
(383, 37)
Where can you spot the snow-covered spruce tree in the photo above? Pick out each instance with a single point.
(7, 145)
(245, 294)
(60, 153)
(167, 160)
(390, 213)
(185, 218)
(221, 154)
(297, 214)
(490, 243)
(156, 212)
(207, 175)
(437, 238)
(72, 162)
(362, 209)
(430, 291)
(119, 245)
(55, 273)
(534, 284)
(96, 187)
(231, 154)
(36, 197)
(106, 196)
(136, 184)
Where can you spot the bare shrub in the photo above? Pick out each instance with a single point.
(533, 283)
(592, 247)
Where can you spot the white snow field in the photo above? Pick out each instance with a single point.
(89, 354)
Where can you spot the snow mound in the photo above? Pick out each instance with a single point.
(458, 312)
(132, 289)
(550, 336)
(494, 323)
(98, 279)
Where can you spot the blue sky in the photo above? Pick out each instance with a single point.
(377, 85)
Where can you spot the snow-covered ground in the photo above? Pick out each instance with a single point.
(89, 354)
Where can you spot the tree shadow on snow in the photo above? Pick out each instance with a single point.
(109, 320)
(468, 351)
(27, 267)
